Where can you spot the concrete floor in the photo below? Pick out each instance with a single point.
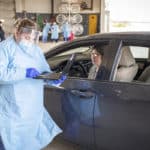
(60, 144)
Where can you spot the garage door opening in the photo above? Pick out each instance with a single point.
(126, 15)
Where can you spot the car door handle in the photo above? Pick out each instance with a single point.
(118, 92)
(83, 93)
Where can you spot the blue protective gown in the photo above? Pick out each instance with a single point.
(54, 32)
(66, 29)
(24, 122)
(45, 31)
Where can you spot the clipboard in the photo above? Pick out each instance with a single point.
(56, 76)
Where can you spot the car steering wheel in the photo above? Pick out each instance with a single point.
(78, 70)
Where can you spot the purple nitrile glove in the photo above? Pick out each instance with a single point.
(31, 73)
(61, 80)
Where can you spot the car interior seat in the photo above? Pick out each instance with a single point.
(145, 76)
(127, 68)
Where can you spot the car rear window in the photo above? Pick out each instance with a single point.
(140, 52)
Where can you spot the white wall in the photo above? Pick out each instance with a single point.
(44, 6)
(96, 7)
(34, 6)
(19, 5)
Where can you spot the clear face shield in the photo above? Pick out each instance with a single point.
(30, 34)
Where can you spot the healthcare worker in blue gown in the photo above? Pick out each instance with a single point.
(54, 32)
(24, 122)
(45, 31)
(66, 30)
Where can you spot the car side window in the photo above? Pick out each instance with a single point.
(134, 65)
(80, 66)
(74, 50)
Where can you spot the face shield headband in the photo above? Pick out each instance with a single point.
(32, 34)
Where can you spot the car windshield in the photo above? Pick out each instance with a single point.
(75, 50)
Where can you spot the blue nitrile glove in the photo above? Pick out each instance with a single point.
(31, 73)
(60, 81)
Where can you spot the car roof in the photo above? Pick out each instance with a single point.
(125, 36)
(122, 35)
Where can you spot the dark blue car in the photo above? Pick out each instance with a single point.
(111, 114)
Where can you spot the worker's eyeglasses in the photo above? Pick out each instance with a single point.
(94, 54)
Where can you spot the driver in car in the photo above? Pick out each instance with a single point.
(97, 71)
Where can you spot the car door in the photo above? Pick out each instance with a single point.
(74, 105)
(124, 122)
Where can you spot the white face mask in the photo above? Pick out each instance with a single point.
(25, 45)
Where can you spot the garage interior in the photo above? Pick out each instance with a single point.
(95, 19)
(97, 16)
(10, 10)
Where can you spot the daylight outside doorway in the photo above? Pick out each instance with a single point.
(125, 15)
